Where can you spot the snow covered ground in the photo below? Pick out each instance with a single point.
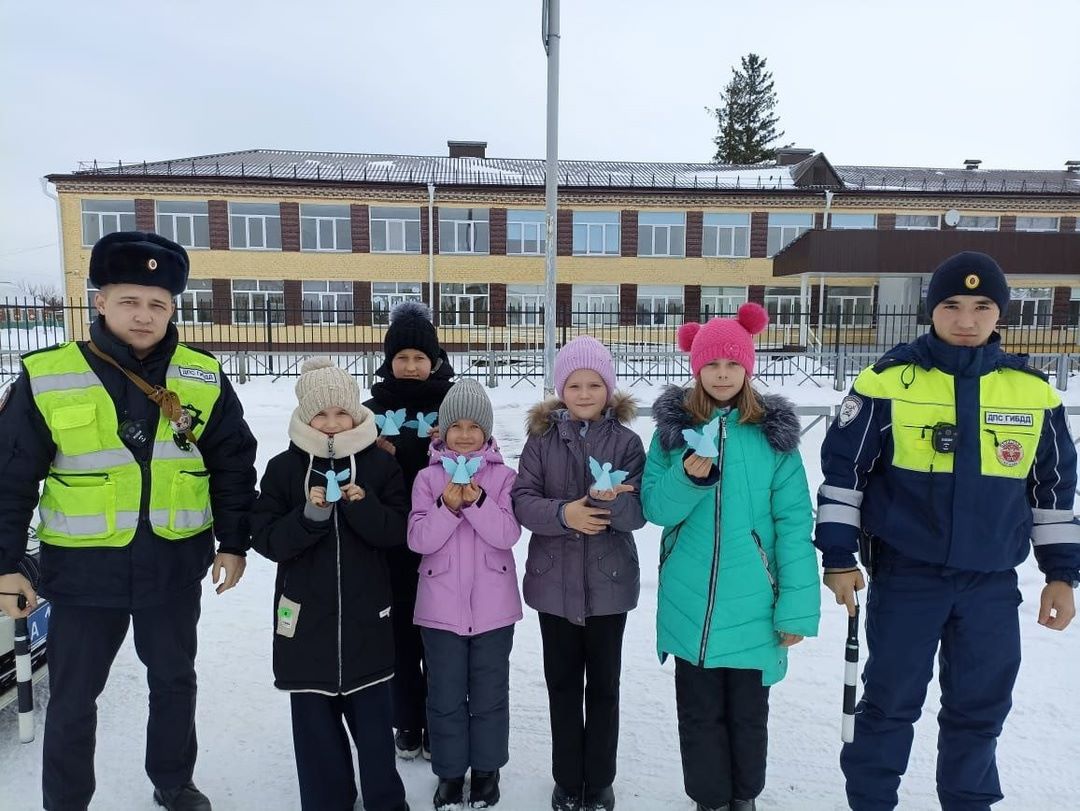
(245, 759)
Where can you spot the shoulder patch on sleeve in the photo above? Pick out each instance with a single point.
(850, 407)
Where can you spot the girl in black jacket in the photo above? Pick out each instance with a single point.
(415, 378)
(329, 508)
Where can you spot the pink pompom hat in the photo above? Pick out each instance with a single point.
(728, 338)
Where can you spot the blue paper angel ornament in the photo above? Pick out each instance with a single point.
(333, 488)
(604, 478)
(423, 423)
(704, 441)
(461, 470)
(391, 422)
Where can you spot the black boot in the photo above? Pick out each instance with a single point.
(598, 800)
(563, 800)
(450, 793)
(182, 798)
(743, 805)
(484, 789)
(407, 742)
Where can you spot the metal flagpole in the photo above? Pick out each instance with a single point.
(551, 195)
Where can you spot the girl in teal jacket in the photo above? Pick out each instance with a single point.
(738, 573)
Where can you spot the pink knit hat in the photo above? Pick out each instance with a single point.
(584, 352)
(729, 338)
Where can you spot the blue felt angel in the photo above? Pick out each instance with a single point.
(461, 470)
(333, 489)
(704, 442)
(423, 423)
(391, 422)
(604, 478)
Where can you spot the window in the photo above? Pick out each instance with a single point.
(726, 235)
(184, 222)
(971, 223)
(856, 305)
(526, 233)
(91, 313)
(595, 305)
(596, 233)
(101, 217)
(658, 305)
(385, 296)
(525, 305)
(1030, 307)
(784, 228)
(325, 228)
(195, 304)
(463, 305)
(463, 230)
(255, 226)
(253, 299)
(1036, 223)
(395, 230)
(722, 301)
(841, 222)
(916, 222)
(328, 302)
(783, 304)
(661, 234)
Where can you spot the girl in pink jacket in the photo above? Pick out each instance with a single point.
(463, 524)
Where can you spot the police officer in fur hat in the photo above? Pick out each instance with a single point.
(949, 462)
(146, 458)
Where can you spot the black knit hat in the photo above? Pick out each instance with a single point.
(138, 257)
(410, 328)
(968, 274)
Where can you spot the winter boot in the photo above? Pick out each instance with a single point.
(743, 805)
(484, 790)
(182, 798)
(450, 793)
(598, 800)
(563, 800)
(407, 742)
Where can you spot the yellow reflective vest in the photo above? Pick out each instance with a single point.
(94, 489)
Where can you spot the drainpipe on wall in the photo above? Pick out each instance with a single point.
(431, 249)
(821, 296)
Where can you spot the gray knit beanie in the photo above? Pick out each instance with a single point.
(322, 385)
(466, 400)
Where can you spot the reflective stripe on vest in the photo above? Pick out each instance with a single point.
(93, 493)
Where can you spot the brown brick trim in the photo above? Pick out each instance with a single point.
(564, 242)
(628, 229)
(497, 237)
(219, 225)
(144, 215)
(497, 304)
(886, 221)
(221, 301)
(695, 230)
(360, 224)
(424, 232)
(692, 302)
(294, 303)
(290, 226)
(627, 304)
(759, 234)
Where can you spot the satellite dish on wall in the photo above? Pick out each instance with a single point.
(952, 217)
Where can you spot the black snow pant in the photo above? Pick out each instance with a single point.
(324, 757)
(83, 642)
(582, 666)
(409, 685)
(723, 732)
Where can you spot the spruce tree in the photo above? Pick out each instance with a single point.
(746, 119)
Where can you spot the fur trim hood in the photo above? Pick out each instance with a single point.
(780, 423)
(543, 416)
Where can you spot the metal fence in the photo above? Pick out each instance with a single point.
(265, 337)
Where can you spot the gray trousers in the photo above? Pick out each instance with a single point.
(468, 700)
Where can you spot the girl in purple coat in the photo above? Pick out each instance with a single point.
(582, 572)
(463, 524)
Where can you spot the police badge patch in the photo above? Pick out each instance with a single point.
(1010, 452)
(850, 407)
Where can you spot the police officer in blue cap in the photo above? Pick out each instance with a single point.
(146, 458)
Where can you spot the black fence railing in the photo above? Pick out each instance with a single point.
(509, 343)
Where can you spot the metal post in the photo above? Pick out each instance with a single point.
(551, 195)
(1063, 371)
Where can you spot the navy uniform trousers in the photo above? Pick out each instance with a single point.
(912, 607)
(83, 642)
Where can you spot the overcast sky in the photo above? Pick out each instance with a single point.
(917, 83)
